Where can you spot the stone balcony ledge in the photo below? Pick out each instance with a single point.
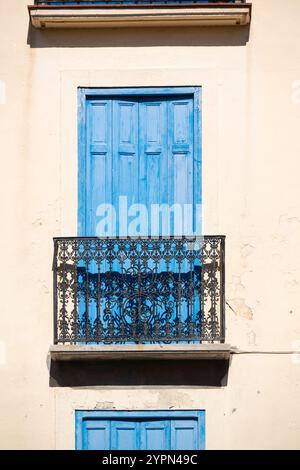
(104, 16)
(140, 352)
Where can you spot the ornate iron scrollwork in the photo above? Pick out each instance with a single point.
(109, 290)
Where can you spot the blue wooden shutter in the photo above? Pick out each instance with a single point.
(181, 155)
(141, 148)
(96, 434)
(140, 430)
(124, 435)
(155, 435)
(154, 179)
(98, 171)
(125, 153)
(184, 434)
(166, 152)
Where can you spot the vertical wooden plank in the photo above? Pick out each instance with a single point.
(81, 177)
(197, 159)
(202, 429)
(78, 430)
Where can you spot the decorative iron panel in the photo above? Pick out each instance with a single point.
(118, 290)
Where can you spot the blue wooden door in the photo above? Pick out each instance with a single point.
(139, 153)
(152, 430)
(139, 175)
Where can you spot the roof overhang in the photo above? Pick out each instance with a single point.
(104, 16)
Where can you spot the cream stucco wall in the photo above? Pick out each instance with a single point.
(251, 148)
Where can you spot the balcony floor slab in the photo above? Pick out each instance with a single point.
(61, 16)
(141, 352)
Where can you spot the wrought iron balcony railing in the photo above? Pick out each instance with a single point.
(133, 2)
(138, 290)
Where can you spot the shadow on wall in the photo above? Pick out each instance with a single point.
(139, 37)
(203, 373)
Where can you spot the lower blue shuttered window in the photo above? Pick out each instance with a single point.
(140, 430)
